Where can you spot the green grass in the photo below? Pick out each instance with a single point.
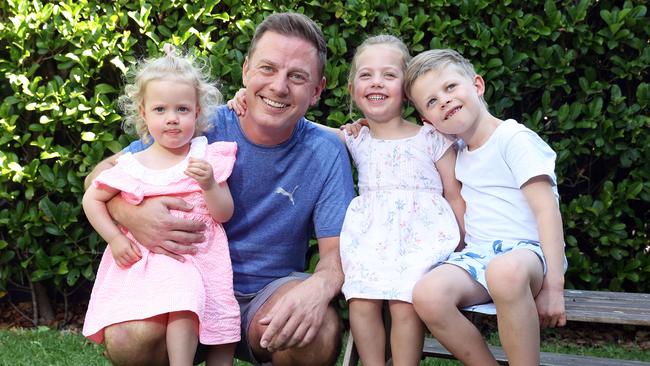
(45, 347)
(42, 346)
(603, 350)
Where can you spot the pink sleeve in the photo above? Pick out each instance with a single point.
(221, 155)
(116, 178)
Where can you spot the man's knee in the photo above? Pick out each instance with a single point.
(137, 342)
(329, 338)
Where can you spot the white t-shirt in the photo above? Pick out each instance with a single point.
(492, 176)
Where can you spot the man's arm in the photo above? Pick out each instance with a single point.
(151, 222)
(542, 201)
(296, 319)
(103, 165)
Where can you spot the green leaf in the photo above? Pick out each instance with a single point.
(42, 259)
(47, 207)
(73, 276)
(104, 88)
(88, 136)
(494, 62)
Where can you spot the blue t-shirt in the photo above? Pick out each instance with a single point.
(282, 195)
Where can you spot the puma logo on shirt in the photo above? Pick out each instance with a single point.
(283, 192)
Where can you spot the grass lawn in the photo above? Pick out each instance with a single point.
(42, 346)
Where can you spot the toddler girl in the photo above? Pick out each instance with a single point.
(168, 101)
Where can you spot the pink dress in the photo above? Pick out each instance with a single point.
(158, 284)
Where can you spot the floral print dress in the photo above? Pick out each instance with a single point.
(400, 226)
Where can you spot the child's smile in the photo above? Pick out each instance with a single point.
(377, 85)
(451, 112)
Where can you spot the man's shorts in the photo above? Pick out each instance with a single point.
(475, 258)
(249, 304)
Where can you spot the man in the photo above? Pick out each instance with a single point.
(290, 178)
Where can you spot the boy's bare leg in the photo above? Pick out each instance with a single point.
(514, 279)
(367, 327)
(182, 337)
(407, 334)
(323, 350)
(139, 342)
(437, 298)
(221, 355)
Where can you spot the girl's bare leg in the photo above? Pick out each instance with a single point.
(367, 329)
(406, 335)
(182, 337)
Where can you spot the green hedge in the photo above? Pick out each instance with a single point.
(575, 71)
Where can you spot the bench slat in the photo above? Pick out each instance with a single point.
(608, 307)
(584, 306)
(593, 306)
(433, 348)
(615, 296)
(606, 318)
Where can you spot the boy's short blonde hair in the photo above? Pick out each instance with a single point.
(172, 66)
(434, 60)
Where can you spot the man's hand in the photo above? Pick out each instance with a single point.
(550, 305)
(152, 224)
(295, 319)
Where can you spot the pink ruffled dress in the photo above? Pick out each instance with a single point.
(158, 284)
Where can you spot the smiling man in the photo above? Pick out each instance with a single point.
(291, 181)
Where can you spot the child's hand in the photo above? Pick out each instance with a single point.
(125, 252)
(353, 129)
(201, 171)
(238, 102)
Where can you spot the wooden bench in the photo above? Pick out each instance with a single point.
(581, 306)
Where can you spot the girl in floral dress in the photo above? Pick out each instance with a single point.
(407, 216)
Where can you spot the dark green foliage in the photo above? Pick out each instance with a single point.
(574, 71)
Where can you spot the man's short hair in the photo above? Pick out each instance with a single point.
(296, 25)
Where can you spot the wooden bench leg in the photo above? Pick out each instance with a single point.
(350, 356)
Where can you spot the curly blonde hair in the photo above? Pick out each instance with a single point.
(174, 66)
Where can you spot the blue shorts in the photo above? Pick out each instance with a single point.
(249, 304)
(475, 258)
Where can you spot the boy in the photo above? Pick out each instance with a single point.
(514, 252)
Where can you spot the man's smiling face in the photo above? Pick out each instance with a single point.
(282, 81)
